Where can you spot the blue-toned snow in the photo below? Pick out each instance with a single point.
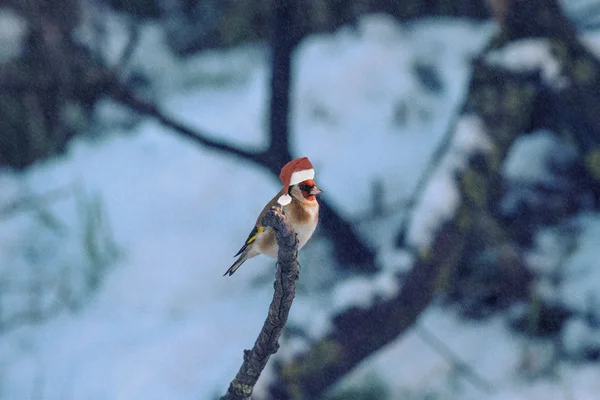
(164, 323)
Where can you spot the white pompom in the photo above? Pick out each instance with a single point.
(284, 200)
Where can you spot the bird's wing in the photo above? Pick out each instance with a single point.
(258, 229)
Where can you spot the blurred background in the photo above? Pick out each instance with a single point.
(458, 145)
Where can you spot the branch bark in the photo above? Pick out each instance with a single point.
(267, 343)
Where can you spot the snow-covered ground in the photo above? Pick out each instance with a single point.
(165, 323)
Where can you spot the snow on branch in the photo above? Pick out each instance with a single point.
(286, 275)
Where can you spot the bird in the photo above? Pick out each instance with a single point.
(299, 202)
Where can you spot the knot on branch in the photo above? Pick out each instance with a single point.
(267, 342)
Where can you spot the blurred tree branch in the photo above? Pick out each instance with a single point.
(358, 332)
(349, 247)
(125, 96)
(226, 23)
(288, 30)
(290, 25)
(93, 80)
(46, 90)
(507, 103)
(284, 39)
(267, 342)
(134, 38)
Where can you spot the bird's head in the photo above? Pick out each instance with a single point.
(305, 191)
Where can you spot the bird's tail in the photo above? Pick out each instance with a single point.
(238, 263)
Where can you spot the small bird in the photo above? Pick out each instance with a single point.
(298, 198)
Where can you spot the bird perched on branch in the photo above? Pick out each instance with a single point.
(298, 200)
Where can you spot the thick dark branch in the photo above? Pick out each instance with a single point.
(348, 246)
(289, 26)
(126, 97)
(282, 48)
(285, 288)
(286, 34)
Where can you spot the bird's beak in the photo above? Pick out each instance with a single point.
(315, 190)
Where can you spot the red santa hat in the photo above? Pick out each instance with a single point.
(296, 171)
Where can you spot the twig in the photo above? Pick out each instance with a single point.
(441, 348)
(267, 344)
(417, 195)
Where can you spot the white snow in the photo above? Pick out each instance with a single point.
(528, 55)
(164, 324)
(363, 291)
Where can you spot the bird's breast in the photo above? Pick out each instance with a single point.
(306, 226)
(304, 232)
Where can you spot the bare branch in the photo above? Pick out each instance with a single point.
(123, 95)
(286, 34)
(267, 342)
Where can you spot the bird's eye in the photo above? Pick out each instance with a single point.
(304, 187)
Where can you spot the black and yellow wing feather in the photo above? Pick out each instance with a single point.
(258, 229)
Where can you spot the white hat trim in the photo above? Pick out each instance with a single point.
(301, 176)
(284, 199)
